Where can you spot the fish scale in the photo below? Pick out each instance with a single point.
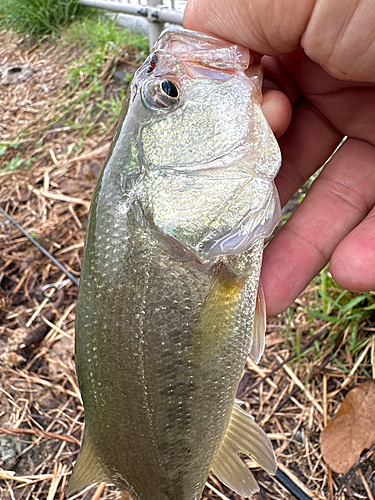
(153, 379)
(167, 310)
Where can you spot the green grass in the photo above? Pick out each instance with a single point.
(100, 40)
(90, 103)
(112, 106)
(340, 307)
(15, 162)
(102, 44)
(39, 18)
(92, 33)
(345, 312)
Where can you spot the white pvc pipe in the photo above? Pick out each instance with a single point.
(161, 15)
(155, 27)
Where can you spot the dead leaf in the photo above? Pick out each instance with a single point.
(351, 430)
(87, 176)
(69, 186)
(73, 187)
(89, 171)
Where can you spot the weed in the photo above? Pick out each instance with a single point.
(85, 107)
(112, 107)
(90, 34)
(129, 77)
(102, 44)
(79, 145)
(17, 162)
(35, 237)
(343, 309)
(343, 312)
(101, 41)
(341, 365)
(39, 18)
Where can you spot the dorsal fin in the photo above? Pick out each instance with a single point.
(259, 329)
(87, 469)
(243, 435)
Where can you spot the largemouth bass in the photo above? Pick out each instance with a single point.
(170, 304)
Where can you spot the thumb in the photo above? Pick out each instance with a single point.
(266, 26)
(339, 35)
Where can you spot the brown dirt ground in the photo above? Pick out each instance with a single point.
(41, 414)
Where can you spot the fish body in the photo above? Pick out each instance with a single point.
(168, 310)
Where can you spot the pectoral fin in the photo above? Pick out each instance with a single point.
(243, 435)
(87, 469)
(259, 329)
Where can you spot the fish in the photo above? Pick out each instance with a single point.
(170, 303)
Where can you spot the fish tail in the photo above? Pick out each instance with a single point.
(245, 436)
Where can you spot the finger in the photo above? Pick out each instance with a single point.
(348, 106)
(305, 146)
(353, 262)
(338, 201)
(277, 110)
(262, 25)
(340, 36)
(275, 71)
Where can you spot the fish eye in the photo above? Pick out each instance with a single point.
(160, 94)
(170, 89)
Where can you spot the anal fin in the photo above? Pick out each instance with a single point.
(243, 435)
(87, 469)
(259, 328)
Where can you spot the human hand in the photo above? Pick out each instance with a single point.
(309, 45)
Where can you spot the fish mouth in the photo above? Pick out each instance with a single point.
(203, 51)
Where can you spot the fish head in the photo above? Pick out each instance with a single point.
(198, 106)
(206, 155)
